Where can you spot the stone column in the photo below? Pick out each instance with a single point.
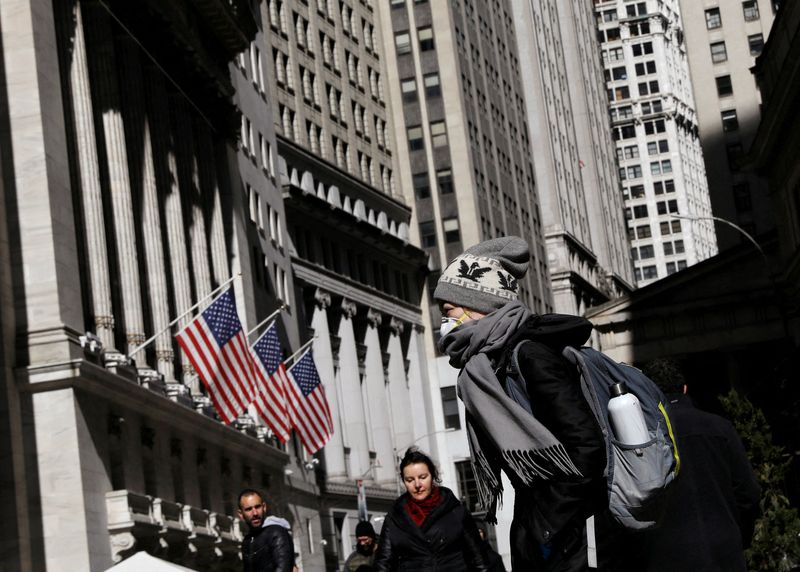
(421, 392)
(108, 107)
(143, 168)
(323, 357)
(167, 177)
(211, 192)
(190, 191)
(354, 426)
(380, 426)
(85, 145)
(397, 391)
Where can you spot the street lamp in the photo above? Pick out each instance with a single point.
(735, 226)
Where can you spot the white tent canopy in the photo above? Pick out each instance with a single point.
(143, 562)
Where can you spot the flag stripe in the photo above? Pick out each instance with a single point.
(220, 363)
(205, 369)
(216, 346)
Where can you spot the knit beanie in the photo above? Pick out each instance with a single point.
(484, 277)
(364, 528)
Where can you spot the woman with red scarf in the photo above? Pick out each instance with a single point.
(428, 528)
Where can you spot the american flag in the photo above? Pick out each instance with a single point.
(217, 347)
(311, 416)
(271, 381)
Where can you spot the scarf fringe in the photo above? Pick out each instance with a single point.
(490, 488)
(531, 465)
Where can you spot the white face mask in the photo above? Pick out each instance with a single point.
(448, 325)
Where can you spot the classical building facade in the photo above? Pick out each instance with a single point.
(357, 277)
(574, 164)
(126, 198)
(656, 133)
(723, 39)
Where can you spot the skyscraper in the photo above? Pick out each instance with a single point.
(574, 163)
(722, 41)
(656, 133)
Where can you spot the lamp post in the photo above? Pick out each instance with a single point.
(747, 235)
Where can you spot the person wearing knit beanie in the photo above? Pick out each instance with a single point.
(523, 400)
(364, 554)
(485, 277)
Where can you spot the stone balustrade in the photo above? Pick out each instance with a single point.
(184, 534)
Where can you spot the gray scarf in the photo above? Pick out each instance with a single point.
(501, 433)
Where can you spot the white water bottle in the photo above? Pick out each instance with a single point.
(627, 419)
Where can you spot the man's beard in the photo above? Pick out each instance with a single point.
(365, 549)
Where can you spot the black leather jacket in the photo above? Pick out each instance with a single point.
(448, 540)
(268, 549)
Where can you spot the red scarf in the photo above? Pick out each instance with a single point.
(419, 510)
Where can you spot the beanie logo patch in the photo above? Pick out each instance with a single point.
(474, 271)
(507, 282)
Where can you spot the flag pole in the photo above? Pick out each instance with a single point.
(175, 321)
(267, 319)
(300, 350)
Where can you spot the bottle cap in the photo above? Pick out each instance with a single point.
(619, 389)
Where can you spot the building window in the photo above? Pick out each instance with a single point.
(409, 89)
(415, 141)
(450, 408)
(642, 49)
(713, 19)
(756, 43)
(432, 86)
(730, 122)
(398, 3)
(467, 485)
(444, 178)
(427, 234)
(438, 134)
(718, 52)
(640, 211)
(750, 9)
(402, 43)
(643, 231)
(451, 230)
(637, 191)
(724, 85)
(649, 272)
(422, 188)
(425, 36)
(646, 252)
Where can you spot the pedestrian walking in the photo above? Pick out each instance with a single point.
(716, 498)
(428, 528)
(364, 554)
(554, 455)
(267, 547)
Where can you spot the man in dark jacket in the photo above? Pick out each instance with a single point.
(552, 449)
(715, 500)
(267, 547)
(364, 554)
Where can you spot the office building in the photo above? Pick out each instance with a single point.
(574, 163)
(722, 41)
(656, 133)
(357, 278)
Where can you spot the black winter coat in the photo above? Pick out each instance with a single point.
(715, 501)
(448, 540)
(553, 512)
(268, 549)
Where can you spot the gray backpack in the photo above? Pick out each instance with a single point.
(639, 476)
